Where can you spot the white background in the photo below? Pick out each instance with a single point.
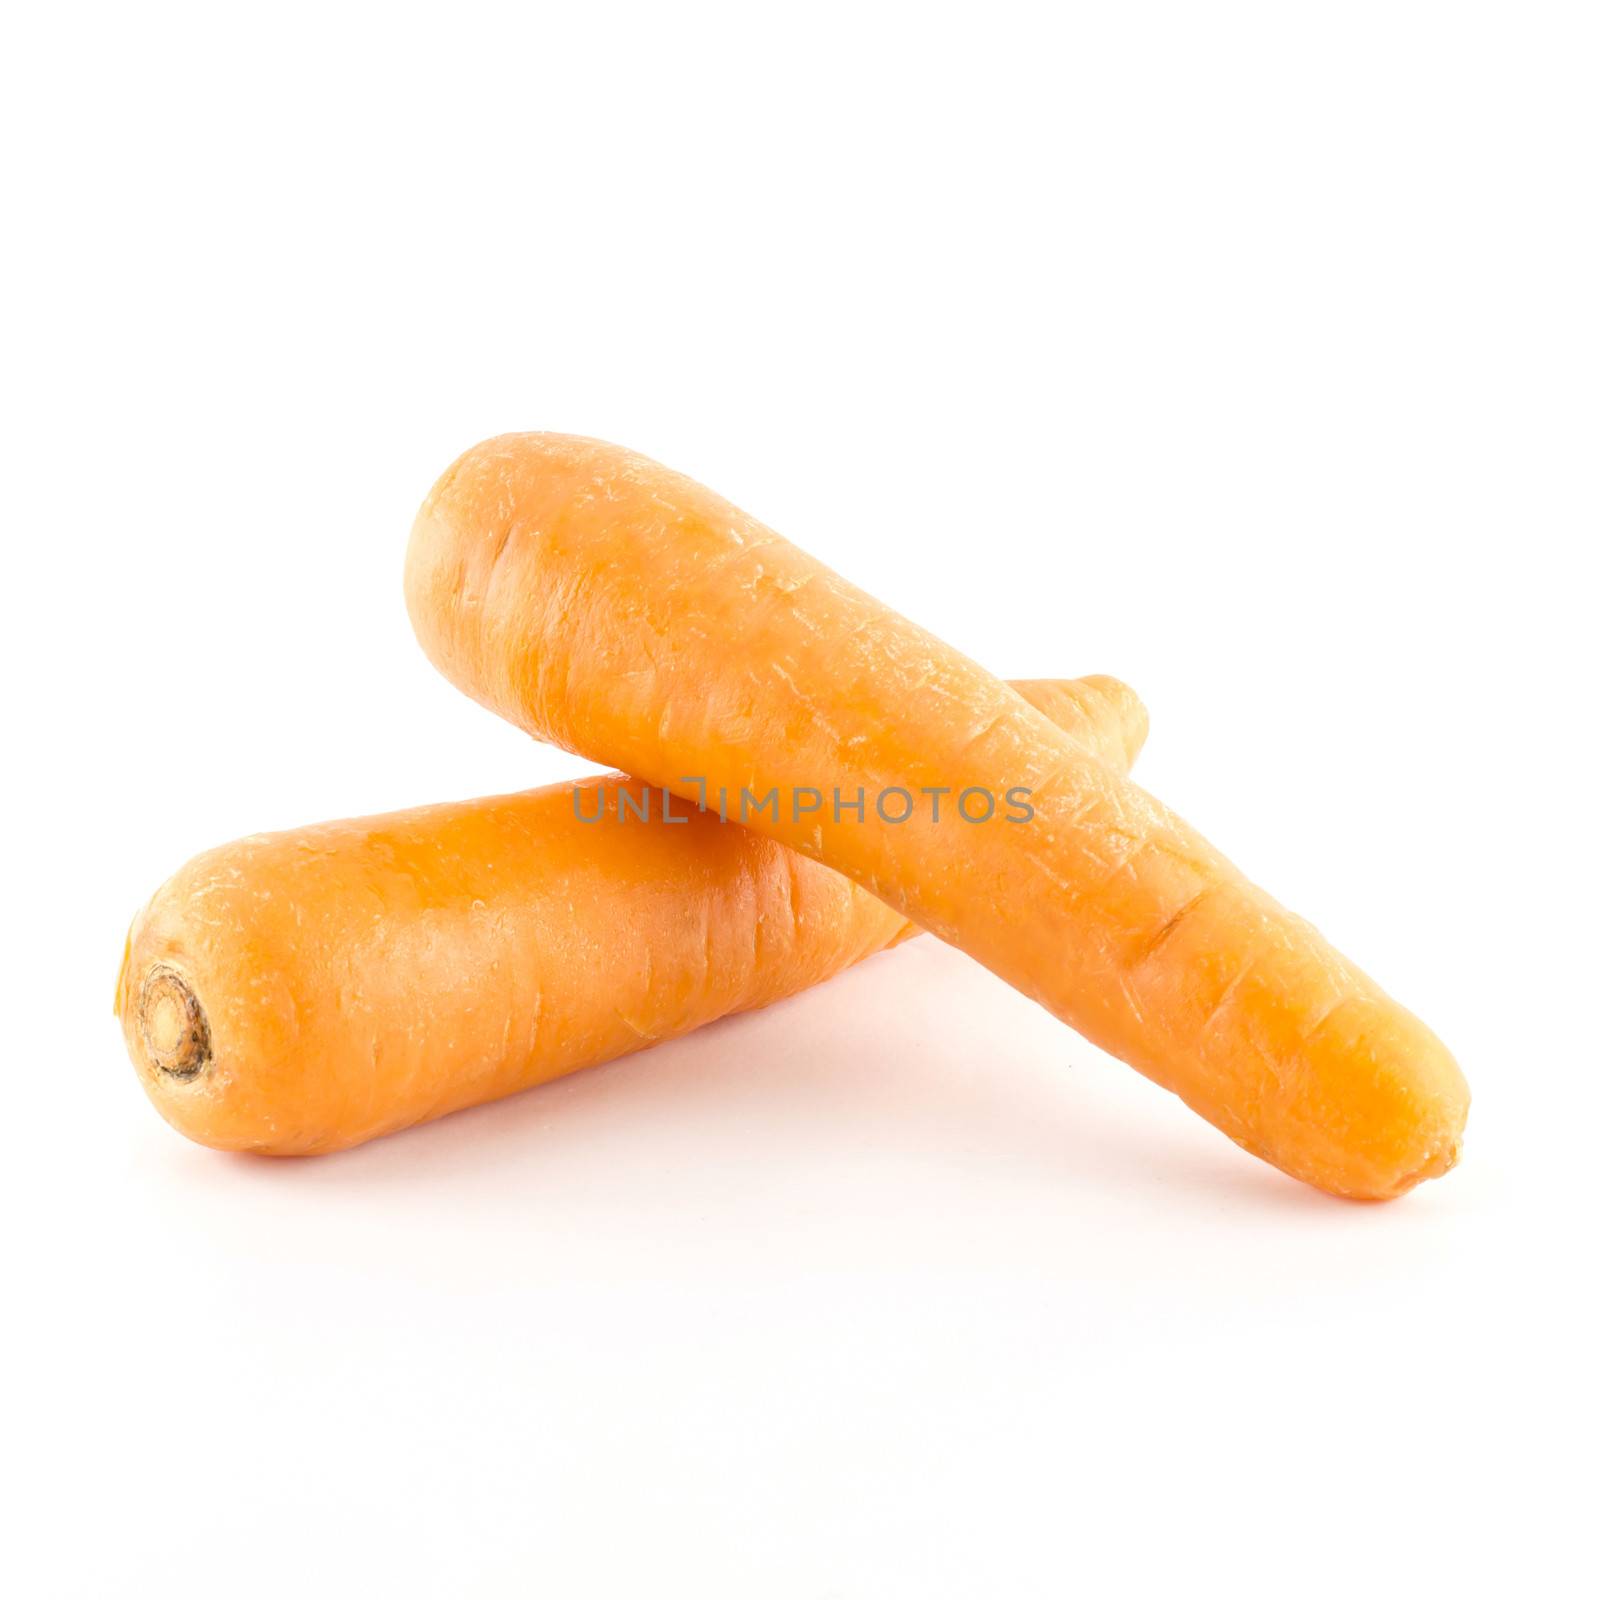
(1246, 351)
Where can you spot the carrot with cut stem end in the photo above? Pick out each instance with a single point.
(625, 612)
(306, 991)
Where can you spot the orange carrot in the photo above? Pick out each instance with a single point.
(306, 991)
(623, 611)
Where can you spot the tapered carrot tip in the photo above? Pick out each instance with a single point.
(1105, 704)
(1380, 1104)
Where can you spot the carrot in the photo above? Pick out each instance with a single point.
(625, 612)
(307, 991)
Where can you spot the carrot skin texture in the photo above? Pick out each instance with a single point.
(346, 980)
(625, 612)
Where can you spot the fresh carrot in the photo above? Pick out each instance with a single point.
(625, 612)
(307, 991)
